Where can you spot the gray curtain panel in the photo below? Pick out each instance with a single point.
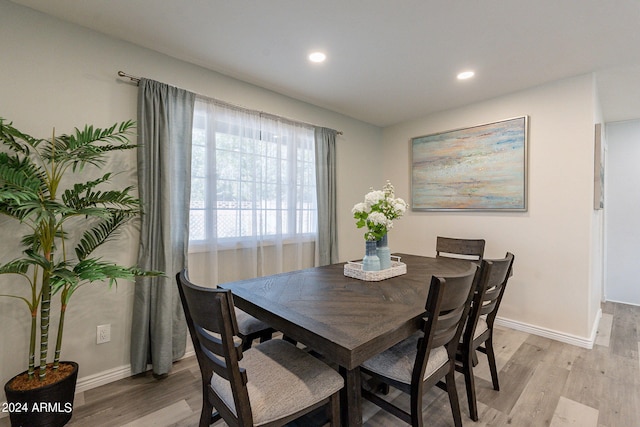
(326, 189)
(158, 331)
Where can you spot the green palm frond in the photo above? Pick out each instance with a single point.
(20, 174)
(91, 212)
(106, 199)
(21, 182)
(17, 266)
(72, 196)
(41, 211)
(63, 276)
(17, 141)
(13, 197)
(93, 269)
(100, 233)
(36, 259)
(31, 241)
(88, 146)
(21, 267)
(13, 206)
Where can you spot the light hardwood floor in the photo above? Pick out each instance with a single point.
(543, 383)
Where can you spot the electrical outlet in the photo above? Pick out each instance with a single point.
(103, 334)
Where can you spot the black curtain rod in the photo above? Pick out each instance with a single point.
(137, 81)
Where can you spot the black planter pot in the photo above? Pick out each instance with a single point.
(48, 406)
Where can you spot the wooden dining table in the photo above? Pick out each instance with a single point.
(346, 320)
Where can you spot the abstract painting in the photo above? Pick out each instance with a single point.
(480, 168)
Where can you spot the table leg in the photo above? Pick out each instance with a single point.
(351, 398)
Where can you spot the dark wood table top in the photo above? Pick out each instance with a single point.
(345, 319)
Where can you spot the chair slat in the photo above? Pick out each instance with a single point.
(213, 343)
(468, 248)
(447, 327)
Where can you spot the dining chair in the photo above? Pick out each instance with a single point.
(424, 359)
(471, 249)
(478, 331)
(270, 384)
(250, 329)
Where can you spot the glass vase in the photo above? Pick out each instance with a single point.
(371, 262)
(382, 248)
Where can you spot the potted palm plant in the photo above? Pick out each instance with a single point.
(44, 187)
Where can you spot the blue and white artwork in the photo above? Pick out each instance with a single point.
(478, 168)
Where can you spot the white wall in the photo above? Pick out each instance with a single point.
(56, 74)
(622, 207)
(551, 287)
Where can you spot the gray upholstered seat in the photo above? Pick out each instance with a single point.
(250, 328)
(397, 362)
(247, 324)
(282, 380)
(481, 327)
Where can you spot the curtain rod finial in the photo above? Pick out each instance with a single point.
(132, 78)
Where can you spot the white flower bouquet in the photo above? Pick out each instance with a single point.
(377, 212)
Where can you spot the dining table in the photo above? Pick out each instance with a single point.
(344, 319)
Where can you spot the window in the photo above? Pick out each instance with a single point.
(252, 176)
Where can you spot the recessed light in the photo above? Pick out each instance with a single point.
(317, 57)
(466, 75)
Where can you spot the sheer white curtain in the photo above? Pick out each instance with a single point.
(253, 194)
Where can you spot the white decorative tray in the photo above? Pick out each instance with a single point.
(354, 269)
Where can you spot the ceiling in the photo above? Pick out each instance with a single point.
(388, 60)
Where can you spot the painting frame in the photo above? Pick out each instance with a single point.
(598, 170)
(481, 168)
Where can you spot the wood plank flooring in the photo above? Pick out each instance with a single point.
(543, 383)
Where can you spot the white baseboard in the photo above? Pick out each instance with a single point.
(554, 335)
(622, 302)
(111, 375)
(595, 327)
(102, 378)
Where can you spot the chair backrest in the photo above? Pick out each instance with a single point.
(446, 309)
(214, 331)
(496, 285)
(472, 249)
(494, 275)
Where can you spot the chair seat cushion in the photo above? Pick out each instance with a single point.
(247, 324)
(397, 362)
(282, 380)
